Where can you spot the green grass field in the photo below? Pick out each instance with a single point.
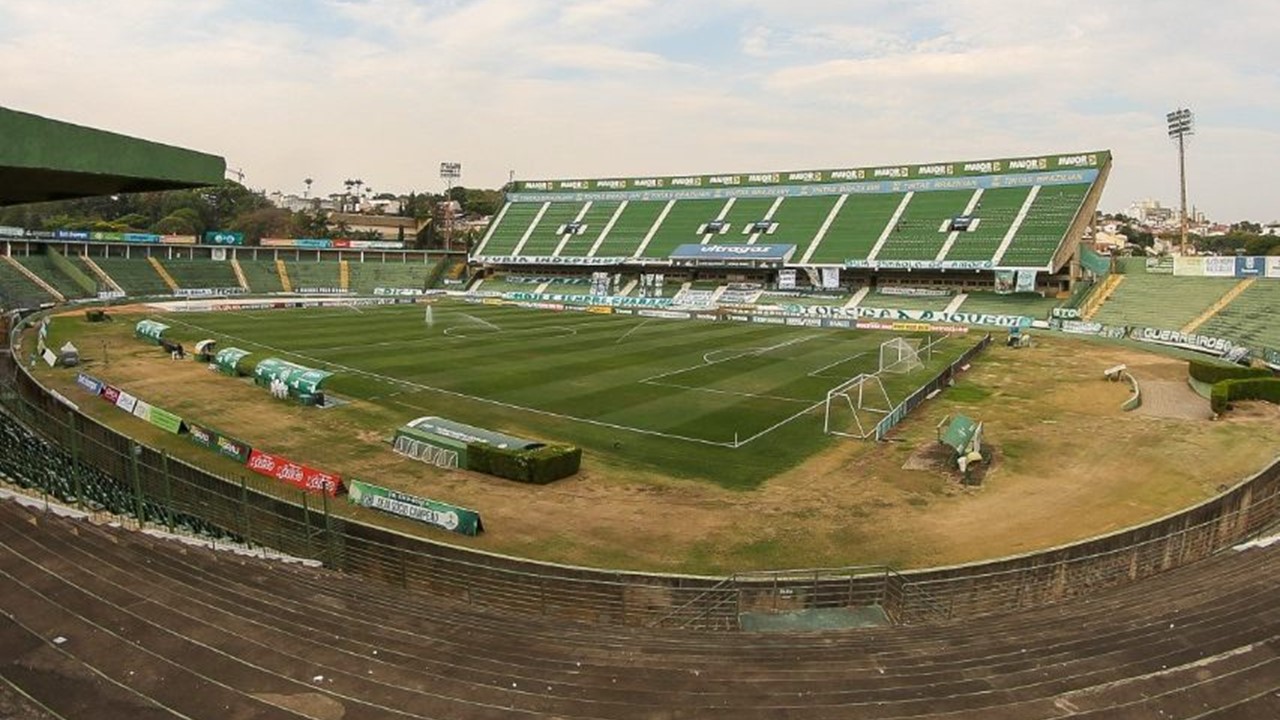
(733, 403)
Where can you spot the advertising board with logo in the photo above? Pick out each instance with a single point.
(296, 474)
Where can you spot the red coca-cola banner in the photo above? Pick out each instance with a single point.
(110, 394)
(301, 476)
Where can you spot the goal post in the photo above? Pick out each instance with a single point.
(853, 407)
(900, 356)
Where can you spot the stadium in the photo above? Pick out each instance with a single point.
(858, 442)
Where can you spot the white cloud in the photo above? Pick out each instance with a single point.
(386, 89)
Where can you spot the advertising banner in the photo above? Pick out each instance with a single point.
(1026, 281)
(725, 251)
(232, 448)
(166, 420)
(601, 300)
(110, 394)
(1188, 266)
(203, 436)
(787, 279)
(142, 410)
(1202, 343)
(223, 237)
(1250, 267)
(1219, 266)
(295, 474)
(126, 402)
(450, 517)
(178, 239)
(89, 384)
(946, 173)
(830, 278)
(1005, 281)
(547, 260)
(1273, 267)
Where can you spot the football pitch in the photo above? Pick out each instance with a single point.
(646, 389)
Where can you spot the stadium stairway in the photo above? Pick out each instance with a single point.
(39, 281)
(858, 297)
(128, 625)
(283, 272)
(101, 274)
(164, 274)
(1222, 302)
(240, 277)
(1100, 296)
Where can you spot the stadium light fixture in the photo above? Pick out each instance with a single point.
(1181, 126)
(449, 171)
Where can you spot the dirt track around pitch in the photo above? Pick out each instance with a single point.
(1072, 464)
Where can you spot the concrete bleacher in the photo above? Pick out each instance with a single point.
(828, 220)
(917, 234)
(261, 276)
(854, 229)
(1042, 230)
(1252, 318)
(96, 616)
(17, 290)
(313, 274)
(365, 277)
(1029, 304)
(906, 302)
(201, 273)
(1161, 301)
(998, 212)
(42, 266)
(135, 275)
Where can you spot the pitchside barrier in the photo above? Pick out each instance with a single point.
(120, 475)
(938, 382)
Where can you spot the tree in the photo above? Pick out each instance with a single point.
(264, 222)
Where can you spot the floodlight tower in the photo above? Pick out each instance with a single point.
(1181, 126)
(449, 171)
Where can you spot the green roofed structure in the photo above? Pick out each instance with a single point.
(470, 434)
(150, 330)
(302, 383)
(449, 444)
(227, 360)
(43, 159)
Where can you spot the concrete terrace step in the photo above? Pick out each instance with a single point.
(270, 626)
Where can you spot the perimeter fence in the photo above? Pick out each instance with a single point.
(48, 446)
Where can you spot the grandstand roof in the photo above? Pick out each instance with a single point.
(999, 166)
(43, 159)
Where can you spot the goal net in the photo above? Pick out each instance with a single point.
(426, 452)
(854, 407)
(900, 356)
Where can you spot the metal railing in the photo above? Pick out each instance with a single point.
(82, 462)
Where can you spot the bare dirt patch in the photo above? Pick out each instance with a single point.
(1071, 465)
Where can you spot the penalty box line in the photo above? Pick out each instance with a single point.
(454, 393)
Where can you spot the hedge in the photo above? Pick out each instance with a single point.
(1258, 388)
(538, 466)
(1211, 373)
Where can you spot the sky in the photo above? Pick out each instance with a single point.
(386, 90)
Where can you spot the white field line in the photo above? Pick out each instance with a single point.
(627, 334)
(818, 373)
(706, 359)
(735, 393)
(453, 393)
(481, 321)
